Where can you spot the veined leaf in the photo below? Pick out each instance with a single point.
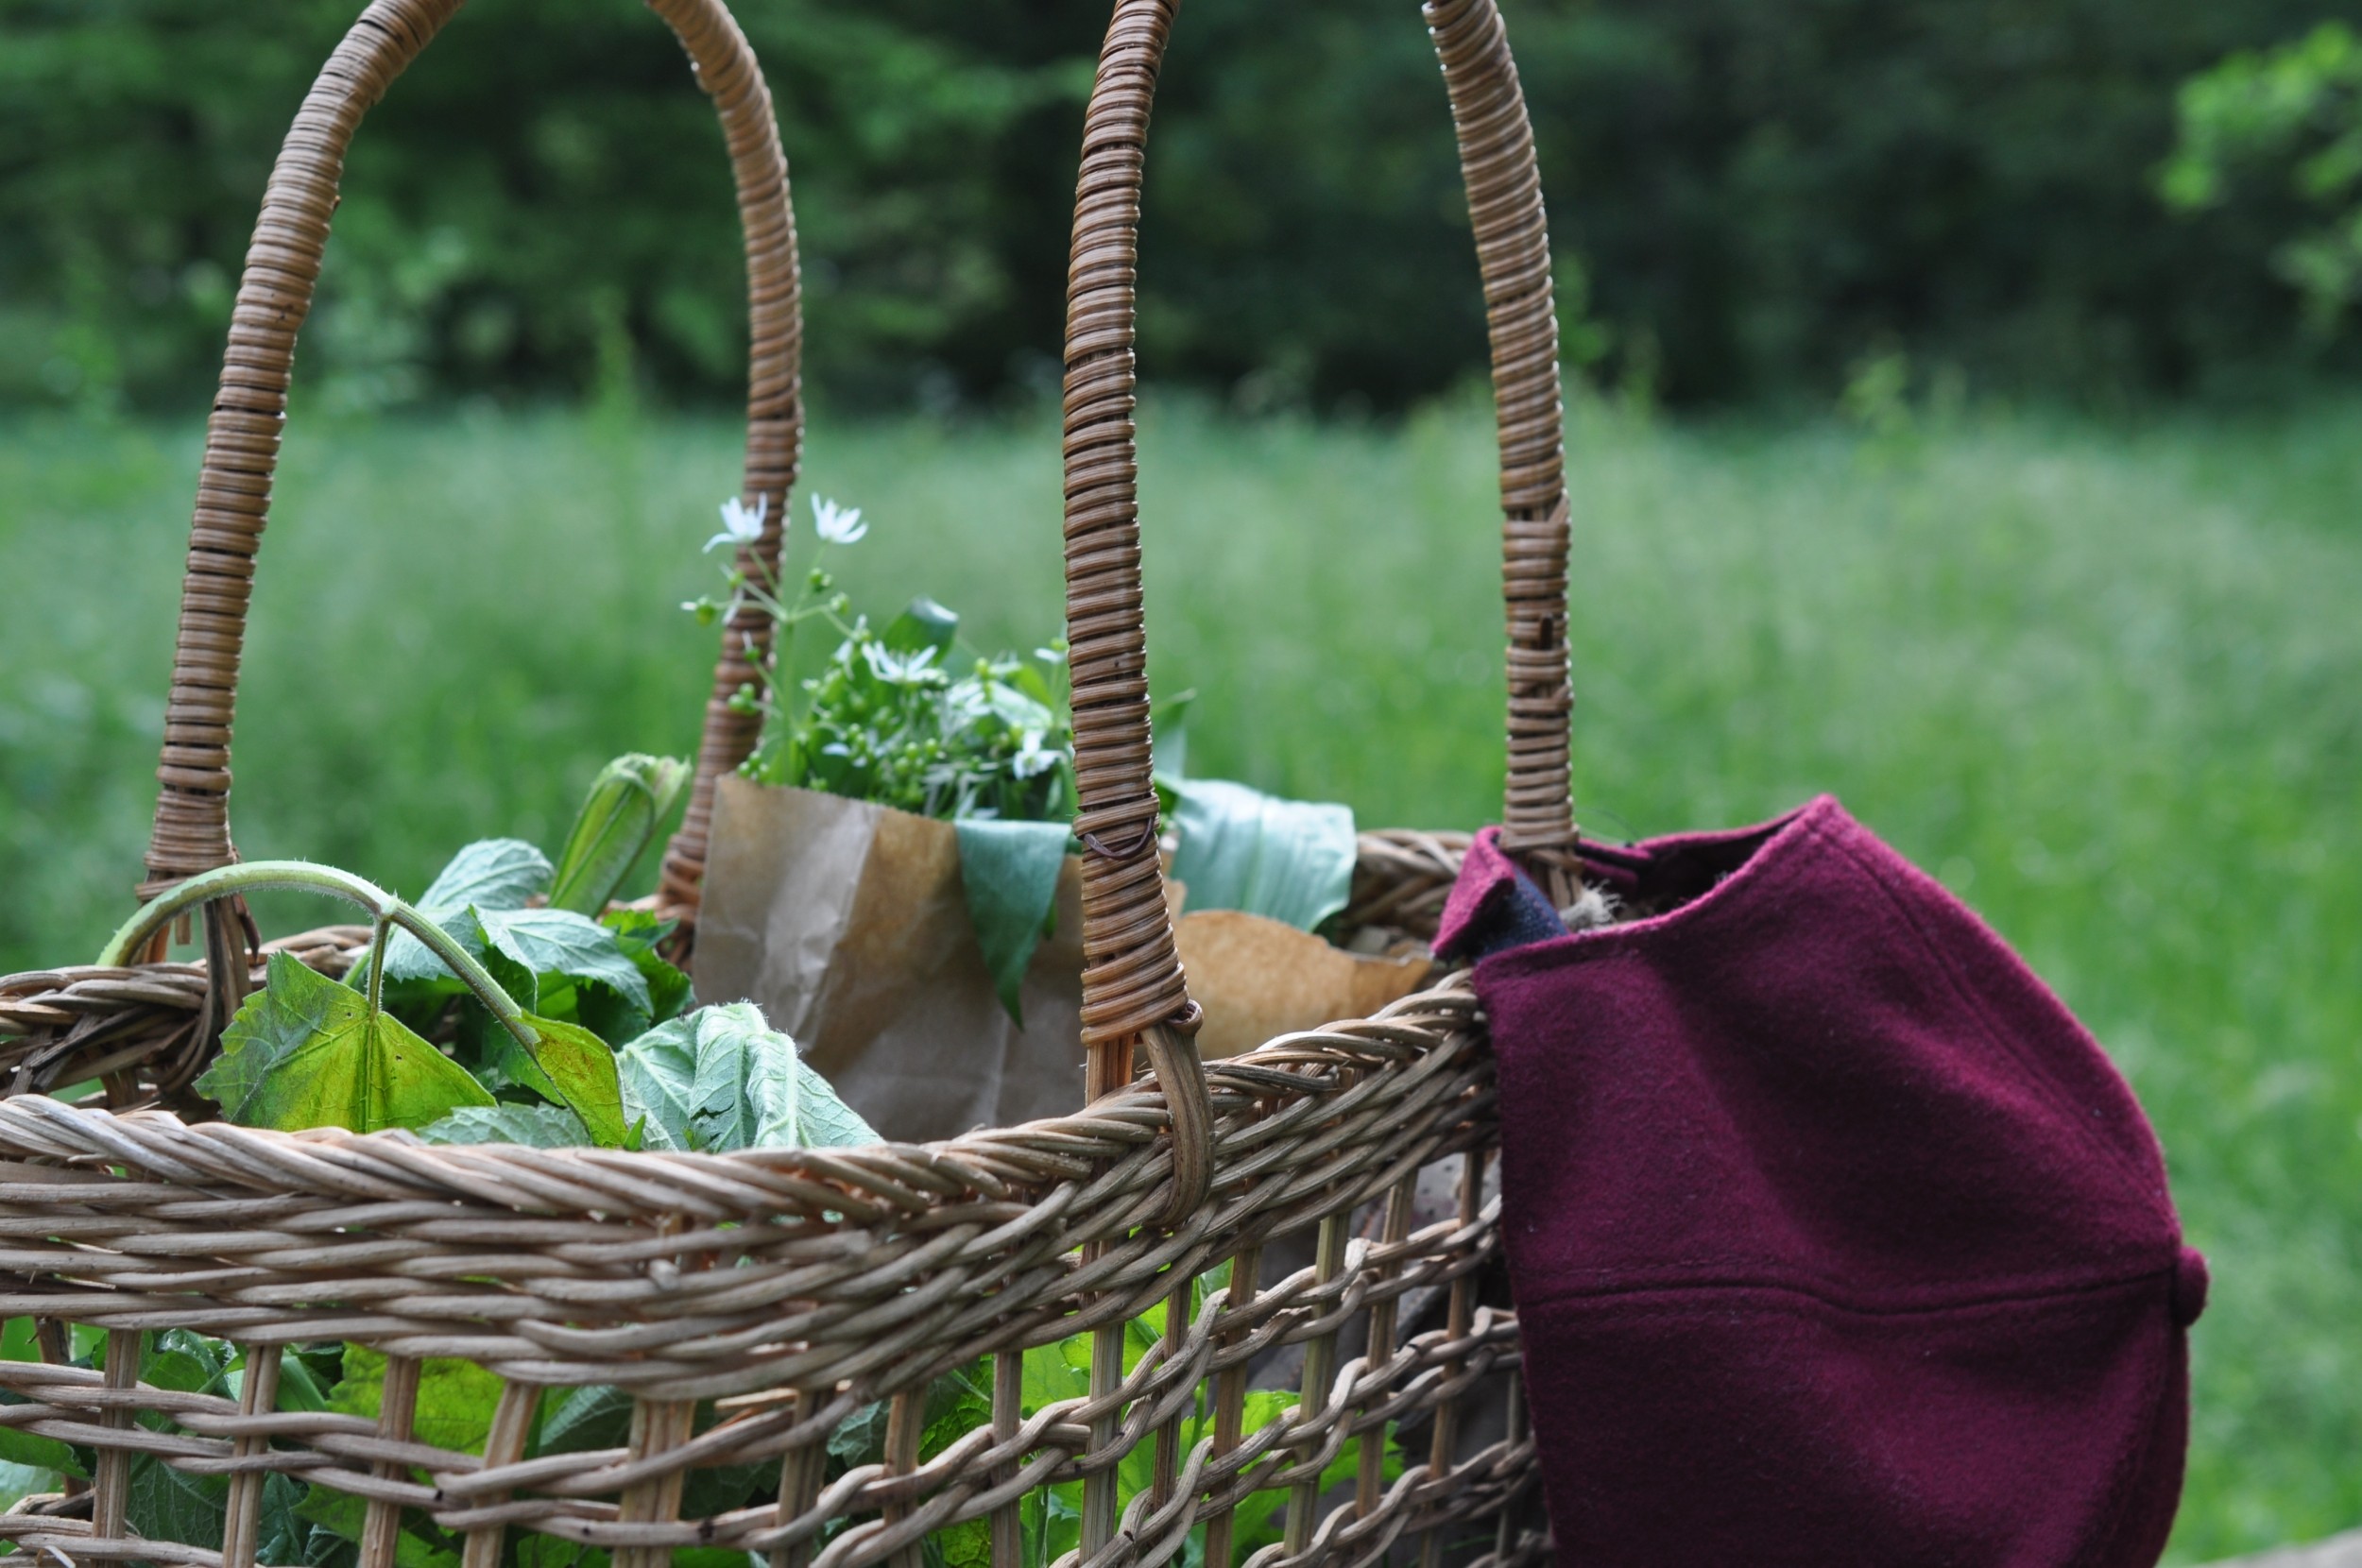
(1243, 850)
(534, 1126)
(581, 1074)
(491, 874)
(540, 942)
(638, 932)
(1009, 871)
(456, 1398)
(720, 1079)
(306, 1052)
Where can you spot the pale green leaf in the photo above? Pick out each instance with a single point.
(306, 1052)
(1009, 871)
(491, 874)
(723, 1078)
(1243, 850)
(534, 1126)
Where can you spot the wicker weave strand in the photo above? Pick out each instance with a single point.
(863, 1272)
(192, 827)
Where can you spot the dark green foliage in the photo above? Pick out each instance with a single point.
(1760, 192)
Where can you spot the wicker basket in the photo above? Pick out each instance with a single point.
(749, 1304)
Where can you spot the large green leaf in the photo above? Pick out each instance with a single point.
(306, 1052)
(542, 942)
(1243, 850)
(535, 1125)
(491, 874)
(456, 1398)
(1009, 871)
(723, 1078)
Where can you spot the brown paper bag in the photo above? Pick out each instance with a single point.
(1257, 978)
(847, 923)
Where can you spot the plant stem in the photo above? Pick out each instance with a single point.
(384, 929)
(303, 877)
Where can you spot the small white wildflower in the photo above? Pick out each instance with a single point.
(911, 669)
(1034, 758)
(837, 524)
(741, 523)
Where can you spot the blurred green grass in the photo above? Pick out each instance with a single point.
(2105, 680)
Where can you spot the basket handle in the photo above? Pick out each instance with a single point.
(283, 267)
(1132, 975)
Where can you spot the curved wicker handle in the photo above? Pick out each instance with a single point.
(1132, 980)
(283, 265)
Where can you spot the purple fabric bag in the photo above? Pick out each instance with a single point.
(1835, 1238)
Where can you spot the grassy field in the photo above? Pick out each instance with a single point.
(2106, 681)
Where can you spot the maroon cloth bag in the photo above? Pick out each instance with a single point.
(1835, 1238)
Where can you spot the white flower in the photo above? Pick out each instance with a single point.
(741, 523)
(1034, 760)
(911, 669)
(837, 524)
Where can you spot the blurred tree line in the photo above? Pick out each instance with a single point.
(1748, 196)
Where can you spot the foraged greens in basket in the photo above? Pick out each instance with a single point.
(557, 1030)
(902, 716)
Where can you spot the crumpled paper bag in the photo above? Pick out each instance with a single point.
(847, 924)
(1257, 978)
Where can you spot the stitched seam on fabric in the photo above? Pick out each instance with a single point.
(2017, 1297)
(2056, 1093)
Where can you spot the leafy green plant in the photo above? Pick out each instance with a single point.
(885, 718)
(2298, 105)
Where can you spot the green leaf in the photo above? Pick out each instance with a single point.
(574, 1420)
(535, 1125)
(723, 1078)
(638, 932)
(627, 803)
(1009, 871)
(559, 942)
(491, 874)
(536, 942)
(306, 1052)
(1243, 850)
(923, 624)
(340, 1515)
(583, 1067)
(456, 1398)
(31, 1449)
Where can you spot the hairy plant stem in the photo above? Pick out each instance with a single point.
(303, 877)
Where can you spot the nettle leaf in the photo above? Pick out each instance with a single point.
(520, 947)
(721, 1079)
(306, 1052)
(491, 874)
(1009, 871)
(535, 1125)
(638, 932)
(1243, 850)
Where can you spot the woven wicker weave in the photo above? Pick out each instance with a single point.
(749, 1303)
